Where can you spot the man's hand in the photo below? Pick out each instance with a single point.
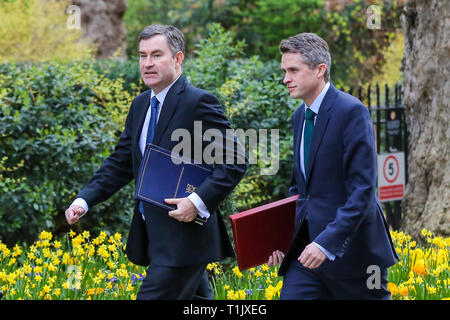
(74, 213)
(276, 258)
(312, 257)
(185, 212)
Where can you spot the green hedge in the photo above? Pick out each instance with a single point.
(57, 124)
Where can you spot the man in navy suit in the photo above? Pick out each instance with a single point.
(176, 248)
(341, 247)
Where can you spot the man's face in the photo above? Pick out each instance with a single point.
(158, 66)
(301, 81)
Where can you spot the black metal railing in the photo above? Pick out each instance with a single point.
(388, 117)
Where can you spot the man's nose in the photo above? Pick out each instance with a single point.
(148, 62)
(286, 79)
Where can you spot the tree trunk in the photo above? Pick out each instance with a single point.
(426, 67)
(102, 24)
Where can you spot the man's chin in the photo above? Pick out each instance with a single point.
(150, 83)
(294, 95)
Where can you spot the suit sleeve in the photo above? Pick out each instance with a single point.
(225, 175)
(293, 189)
(115, 172)
(359, 167)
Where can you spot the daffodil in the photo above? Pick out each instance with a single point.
(270, 292)
(44, 235)
(230, 294)
(237, 272)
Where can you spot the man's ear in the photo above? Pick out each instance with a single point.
(322, 68)
(179, 57)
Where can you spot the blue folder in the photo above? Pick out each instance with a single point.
(164, 174)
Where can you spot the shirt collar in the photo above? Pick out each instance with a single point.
(315, 106)
(162, 95)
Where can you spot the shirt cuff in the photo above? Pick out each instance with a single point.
(82, 203)
(200, 205)
(327, 253)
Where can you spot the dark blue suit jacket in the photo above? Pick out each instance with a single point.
(338, 197)
(166, 241)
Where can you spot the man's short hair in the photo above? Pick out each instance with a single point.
(174, 36)
(313, 49)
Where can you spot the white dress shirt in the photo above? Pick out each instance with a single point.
(315, 106)
(193, 197)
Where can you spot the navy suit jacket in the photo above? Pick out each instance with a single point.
(337, 199)
(166, 241)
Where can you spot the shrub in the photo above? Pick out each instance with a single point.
(58, 122)
(36, 30)
(125, 69)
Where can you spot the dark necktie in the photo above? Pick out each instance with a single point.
(153, 117)
(150, 134)
(309, 129)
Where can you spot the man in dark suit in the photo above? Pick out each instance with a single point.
(341, 247)
(176, 248)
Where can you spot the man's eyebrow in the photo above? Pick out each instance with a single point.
(154, 51)
(290, 68)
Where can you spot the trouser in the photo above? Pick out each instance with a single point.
(301, 283)
(175, 283)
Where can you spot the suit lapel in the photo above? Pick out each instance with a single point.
(298, 139)
(142, 107)
(169, 107)
(320, 127)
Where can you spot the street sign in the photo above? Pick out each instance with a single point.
(391, 176)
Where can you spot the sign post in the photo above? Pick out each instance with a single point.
(391, 176)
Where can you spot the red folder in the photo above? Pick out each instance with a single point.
(260, 231)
